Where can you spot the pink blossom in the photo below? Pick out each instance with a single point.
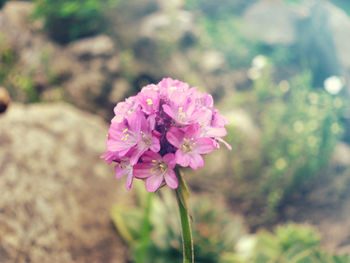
(149, 140)
(123, 109)
(155, 168)
(163, 125)
(123, 136)
(149, 99)
(190, 145)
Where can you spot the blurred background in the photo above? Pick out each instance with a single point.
(278, 69)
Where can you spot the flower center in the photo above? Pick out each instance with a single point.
(147, 140)
(124, 163)
(181, 115)
(188, 145)
(126, 134)
(159, 167)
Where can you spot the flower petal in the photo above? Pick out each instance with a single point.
(182, 158)
(135, 120)
(149, 156)
(169, 158)
(153, 183)
(171, 179)
(155, 144)
(129, 181)
(142, 170)
(205, 145)
(196, 161)
(120, 172)
(175, 136)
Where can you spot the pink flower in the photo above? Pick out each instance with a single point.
(148, 139)
(123, 136)
(123, 109)
(155, 168)
(162, 125)
(189, 145)
(149, 99)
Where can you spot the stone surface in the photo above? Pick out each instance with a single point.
(84, 69)
(341, 155)
(55, 191)
(101, 45)
(270, 21)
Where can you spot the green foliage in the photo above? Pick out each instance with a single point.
(214, 230)
(298, 128)
(67, 20)
(152, 230)
(292, 244)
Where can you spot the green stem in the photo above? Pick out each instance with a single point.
(187, 240)
(141, 253)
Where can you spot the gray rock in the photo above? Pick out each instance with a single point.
(270, 21)
(120, 88)
(212, 61)
(341, 155)
(101, 45)
(331, 30)
(55, 191)
(83, 89)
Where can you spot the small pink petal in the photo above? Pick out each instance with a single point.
(175, 136)
(120, 172)
(169, 158)
(153, 183)
(196, 161)
(225, 143)
(135, 120)
(149, 156)
(182, 158)
(192, 131)
(216, 132)
(205, 145)
(167, 109)
(170, 179)
(142, 170)
(129, 181)
(155, 144)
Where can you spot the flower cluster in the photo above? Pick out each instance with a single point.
(163, 125)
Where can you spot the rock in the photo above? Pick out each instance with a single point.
(327, 31)
(341, 155)
(101, 45)
(212, 61)
(120, 88)
(113, 64)
(55, 191)
(18, 12)
(83, 89)
(179, 24)
(270, 21)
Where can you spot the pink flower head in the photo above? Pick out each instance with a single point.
(155, 168)
(163, 125)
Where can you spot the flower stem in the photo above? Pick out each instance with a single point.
(187, 240)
